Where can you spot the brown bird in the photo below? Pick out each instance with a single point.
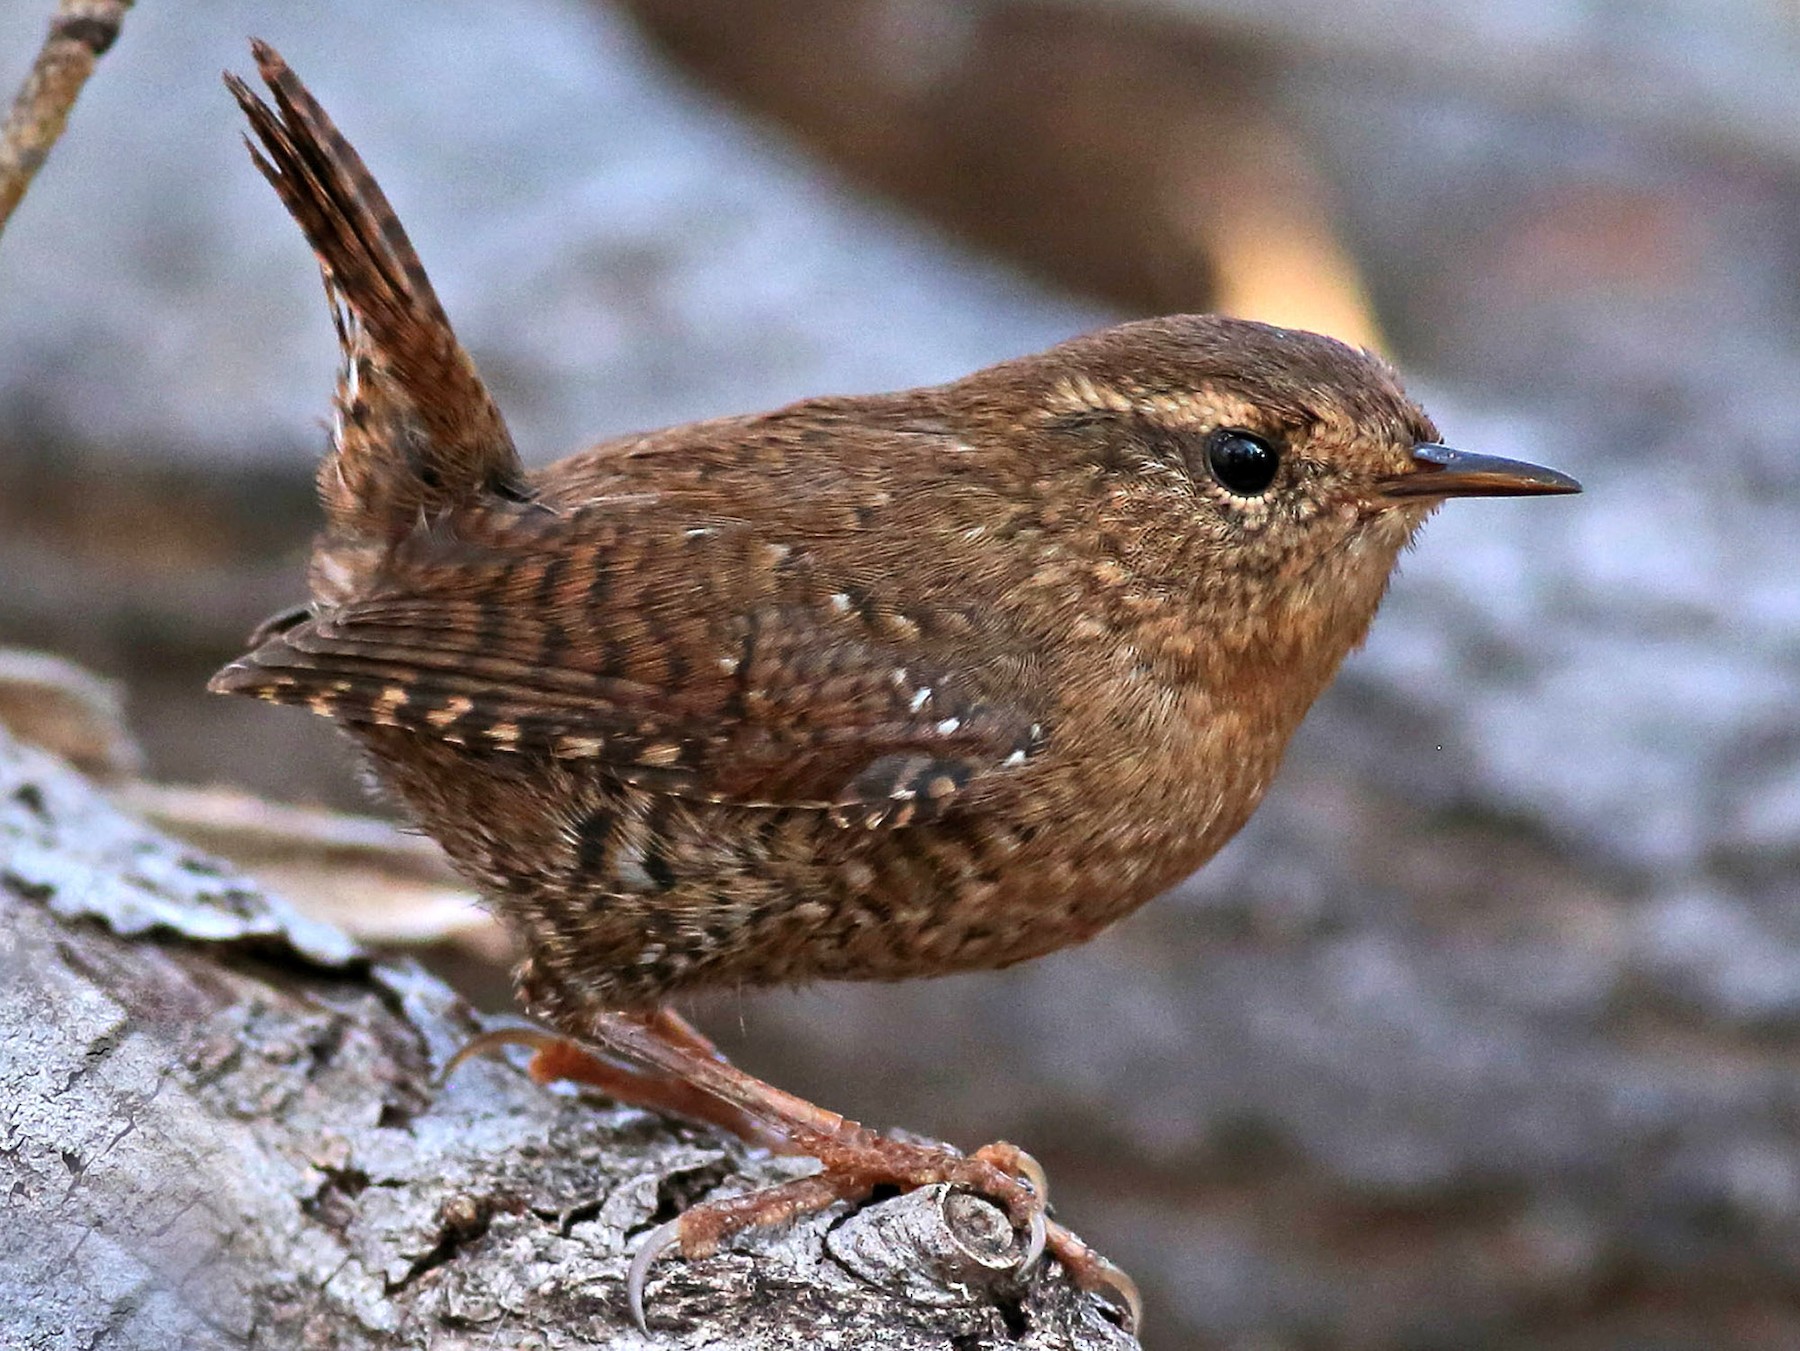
(862, 688)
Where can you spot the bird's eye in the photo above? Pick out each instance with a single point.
(1243, 464)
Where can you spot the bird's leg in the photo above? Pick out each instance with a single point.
(685, 1073)
(556, 1057)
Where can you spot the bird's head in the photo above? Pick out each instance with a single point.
(1269, 476)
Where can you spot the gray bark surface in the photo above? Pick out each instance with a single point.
(218, 1128)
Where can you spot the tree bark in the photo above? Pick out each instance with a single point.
(219, 1128)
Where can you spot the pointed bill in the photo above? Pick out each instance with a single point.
(1439, 471)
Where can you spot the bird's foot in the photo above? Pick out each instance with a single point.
(854, 1164)
(674, 1068)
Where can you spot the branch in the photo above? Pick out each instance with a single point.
(219, 1128)
(79, 36)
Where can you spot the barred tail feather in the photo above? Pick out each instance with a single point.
(416, 431)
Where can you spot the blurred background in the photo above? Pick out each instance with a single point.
(1484, 1034)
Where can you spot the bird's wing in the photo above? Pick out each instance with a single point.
(733, 670)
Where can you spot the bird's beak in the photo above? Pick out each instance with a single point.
(1439, 471)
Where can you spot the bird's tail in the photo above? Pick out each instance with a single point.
(415, 431)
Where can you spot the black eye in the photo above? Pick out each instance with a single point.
(1243, 464)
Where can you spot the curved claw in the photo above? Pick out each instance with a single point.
(657, 1242)
(1009, 1158)
(1125, 1295)
(1094, 1273)
(531, 1038)
(1033, 1172)
(1035, 1239)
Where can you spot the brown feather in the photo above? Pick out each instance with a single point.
(416, 430)
(863, 687)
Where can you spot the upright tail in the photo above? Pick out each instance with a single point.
(415, 431)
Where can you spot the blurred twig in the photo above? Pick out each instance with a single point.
(79, 35)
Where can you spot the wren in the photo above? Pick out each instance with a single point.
(860, 689)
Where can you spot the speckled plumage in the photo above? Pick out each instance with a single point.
(865, 687)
